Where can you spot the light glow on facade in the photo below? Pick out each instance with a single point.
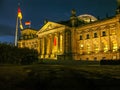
(73, 40)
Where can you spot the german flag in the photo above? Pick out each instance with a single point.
(27, 23)
(19, 13)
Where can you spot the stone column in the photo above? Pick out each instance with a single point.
(42, 47)
(51, 43)
(38, 45)
(45, 46)
(63, 43)
(117, 35)
(100, 42)
(74, 43)
(91, 40)
(68, 42)
(48, 45)
(55, 44)
(50, 51)
(109, 40)
(58, 35)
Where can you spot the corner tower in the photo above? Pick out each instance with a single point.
(118, 7)
(73, 18)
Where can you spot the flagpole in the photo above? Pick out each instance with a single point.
(30, 25)
(16, 32)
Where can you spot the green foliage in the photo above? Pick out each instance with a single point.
(13, 55)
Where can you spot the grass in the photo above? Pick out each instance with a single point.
(57, 76)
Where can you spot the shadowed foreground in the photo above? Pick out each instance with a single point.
(59, 77)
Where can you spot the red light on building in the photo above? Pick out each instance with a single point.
(55, 41)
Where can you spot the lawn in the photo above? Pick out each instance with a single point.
(59, 77)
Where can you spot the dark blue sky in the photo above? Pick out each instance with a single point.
(53, 10)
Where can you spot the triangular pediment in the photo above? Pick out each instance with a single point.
(50, 26)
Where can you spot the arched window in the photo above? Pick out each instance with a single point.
(81, 37)
(103, 33)
(87, 36)
(95, 35)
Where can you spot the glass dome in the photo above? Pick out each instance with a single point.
(87, 18)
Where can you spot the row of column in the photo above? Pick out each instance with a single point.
(55, 44)
(102, 43)
(51, 45)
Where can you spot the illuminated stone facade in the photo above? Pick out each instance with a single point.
(54, 41)
(99, 40)
(75, 39)
(28, 39)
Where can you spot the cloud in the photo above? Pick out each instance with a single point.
(6, 30)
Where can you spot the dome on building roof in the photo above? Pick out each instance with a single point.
(87, 18)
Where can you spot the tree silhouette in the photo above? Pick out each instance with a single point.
(10, 54)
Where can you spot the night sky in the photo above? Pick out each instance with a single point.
(37, 11)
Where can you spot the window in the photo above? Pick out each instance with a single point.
(32, 36)
(21, 38)
(114, 47)
(29, 36)
(25, 36)
(88, 36)
(95, 35)
(103, 33)
(87, 59)
(103, 58)
(81, 37)
(95, 58)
